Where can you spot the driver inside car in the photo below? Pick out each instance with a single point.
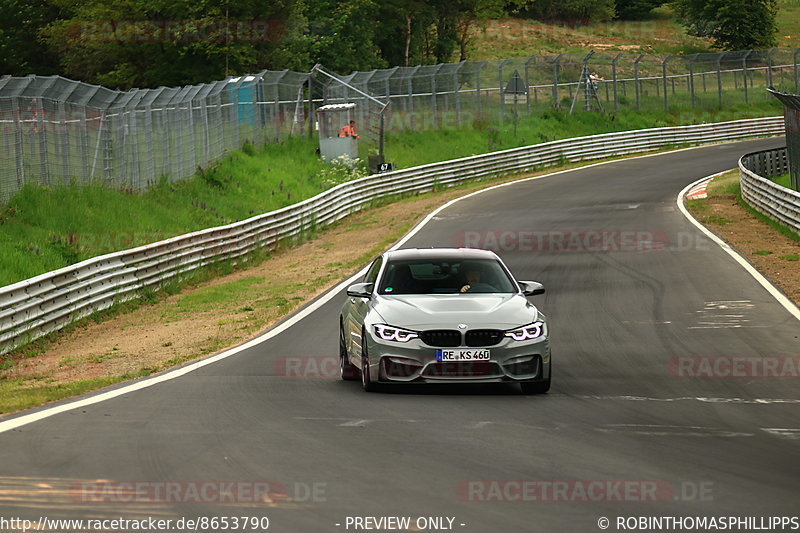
(472, 275)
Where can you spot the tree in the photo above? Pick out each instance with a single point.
(731, 24)
(570, 11)
(21, 50)
(636, 9)
(147, 43)
(343, 33)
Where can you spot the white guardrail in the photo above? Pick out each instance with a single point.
(32, 308)
(773, 200)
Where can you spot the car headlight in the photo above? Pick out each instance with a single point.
(390, 333)
(529, 332)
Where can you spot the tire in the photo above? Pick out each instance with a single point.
(366, 380)
(537, 387)
(347, 370)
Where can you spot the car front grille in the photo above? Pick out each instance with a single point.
(443, 338)
(483, 337)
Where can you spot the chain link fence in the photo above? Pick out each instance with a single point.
(58, 131)
(791, 114)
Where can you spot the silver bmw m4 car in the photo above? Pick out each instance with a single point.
(443, 316)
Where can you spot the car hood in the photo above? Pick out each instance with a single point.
(447, 311)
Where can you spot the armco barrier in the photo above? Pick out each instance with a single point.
(775, 201)
(32, 308)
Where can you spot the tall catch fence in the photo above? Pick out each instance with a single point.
(791, 114)
(57, 130)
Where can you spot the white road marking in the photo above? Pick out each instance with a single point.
(757, 401)
(356, 423)
(671, 431)
(785, 433)
(716, 315)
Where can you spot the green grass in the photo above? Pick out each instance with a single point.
(16, 394)
(783, 180)
(788, 23)
(790, 257)
(660, 33)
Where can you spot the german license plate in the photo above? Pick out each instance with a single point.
(463, 355)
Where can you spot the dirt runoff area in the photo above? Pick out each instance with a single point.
(208, 316)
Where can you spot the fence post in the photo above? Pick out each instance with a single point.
(38, 106)
(528, 86)
(502, 94)
(18, 144)
(664, 75)
(478, 86)
(691, 76)
(614, 75)
(636, 79)
(744, 75)
(310, 109)
(769, 66)
(719, 77)
(555, 79)
(411, 96)
(433, 96)
(796, 85)
(456, 86)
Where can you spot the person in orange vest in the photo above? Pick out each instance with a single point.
(349, 130)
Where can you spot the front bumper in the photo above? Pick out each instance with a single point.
(415, 362)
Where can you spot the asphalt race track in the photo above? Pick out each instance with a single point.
(627, 430)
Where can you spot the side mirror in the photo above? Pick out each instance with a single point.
(531, 288)
(361, 290)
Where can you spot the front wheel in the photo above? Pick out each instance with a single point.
(347, 370)
(366, 379)
(537, 387)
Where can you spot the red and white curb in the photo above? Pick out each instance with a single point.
(699, 190)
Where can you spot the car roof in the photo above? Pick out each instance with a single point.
(449, 254)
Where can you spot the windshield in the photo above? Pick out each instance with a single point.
(432, 276)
